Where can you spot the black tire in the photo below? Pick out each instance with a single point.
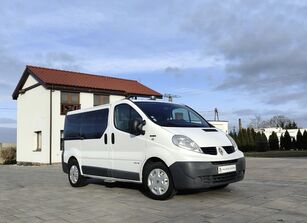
(169, 193)
(80, 180)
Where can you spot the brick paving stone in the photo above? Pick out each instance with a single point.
(274, 190)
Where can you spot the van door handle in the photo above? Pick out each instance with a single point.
(105, 138)
(113, 138)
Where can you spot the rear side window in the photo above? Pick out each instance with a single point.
(94, 124)
(72, 126)
(88, 125)
(124, 114)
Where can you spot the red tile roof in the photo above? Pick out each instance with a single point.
(82, 81)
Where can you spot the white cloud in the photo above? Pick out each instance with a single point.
(181, 60)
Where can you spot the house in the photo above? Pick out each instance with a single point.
(222, 125)
(279, 132)
(45, 95)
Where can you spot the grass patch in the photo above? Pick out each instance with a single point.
(273, 154)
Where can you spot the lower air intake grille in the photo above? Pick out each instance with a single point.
(221, 178)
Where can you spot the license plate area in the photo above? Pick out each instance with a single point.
(226, 169)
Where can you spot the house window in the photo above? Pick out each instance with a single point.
(69, 101)
(101, 99)
(38, 137)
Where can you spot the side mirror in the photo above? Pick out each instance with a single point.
(137, 127)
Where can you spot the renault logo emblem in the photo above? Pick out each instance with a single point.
(221, 151)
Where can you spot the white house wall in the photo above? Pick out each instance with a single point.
(30, 81)
(57, 126)
(114, 98)
(222, 125)
(86, 100)
(32, 115)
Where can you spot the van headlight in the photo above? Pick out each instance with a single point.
(186, 143)
(233, 142)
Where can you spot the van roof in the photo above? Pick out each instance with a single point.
(108, 105)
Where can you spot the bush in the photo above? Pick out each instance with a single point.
(9, 155)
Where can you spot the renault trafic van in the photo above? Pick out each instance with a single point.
(164, 146)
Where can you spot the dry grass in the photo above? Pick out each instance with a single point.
(8, 155)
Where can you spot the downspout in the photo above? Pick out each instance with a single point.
(50, 126)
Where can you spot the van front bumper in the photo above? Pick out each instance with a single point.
(198, 175)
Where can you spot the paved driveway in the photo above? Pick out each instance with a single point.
(274, 190)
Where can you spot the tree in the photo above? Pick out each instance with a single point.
(291, 125)
(250, 140)
(305, 140)
(287, 141)
(299, 140)
(282, 142)
(256, 122)
(273, 141)
(243, 140)
(274, 122)
(258, 142)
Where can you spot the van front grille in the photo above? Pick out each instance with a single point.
(229, 149)
(209, 150)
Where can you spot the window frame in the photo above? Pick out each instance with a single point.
(114, 123)
(80, 135)
(39, 141)
(69, 105)
(84, 137)
(62, 140)
(100, 99)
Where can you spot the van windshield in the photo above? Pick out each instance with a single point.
(172, 115)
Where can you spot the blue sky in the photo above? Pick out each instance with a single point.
(246, 58)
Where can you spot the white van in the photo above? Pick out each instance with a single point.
(165, 146)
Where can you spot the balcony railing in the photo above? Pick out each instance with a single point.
(69, 107)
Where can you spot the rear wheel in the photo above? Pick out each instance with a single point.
(158, 181)
(74, 175)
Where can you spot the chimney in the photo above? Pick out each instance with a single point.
(240, 124)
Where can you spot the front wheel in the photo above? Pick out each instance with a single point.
(74, 175)
(158, 181)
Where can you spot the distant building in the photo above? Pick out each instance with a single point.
(222, 125)
(279, 132)
(45, 95)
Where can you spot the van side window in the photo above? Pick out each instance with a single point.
(72, 126)
(94, 124)
(88, 125)
(124, 114)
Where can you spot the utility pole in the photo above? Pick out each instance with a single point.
(216, 115)
(171, 96)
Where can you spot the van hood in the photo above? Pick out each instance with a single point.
(204, 137)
